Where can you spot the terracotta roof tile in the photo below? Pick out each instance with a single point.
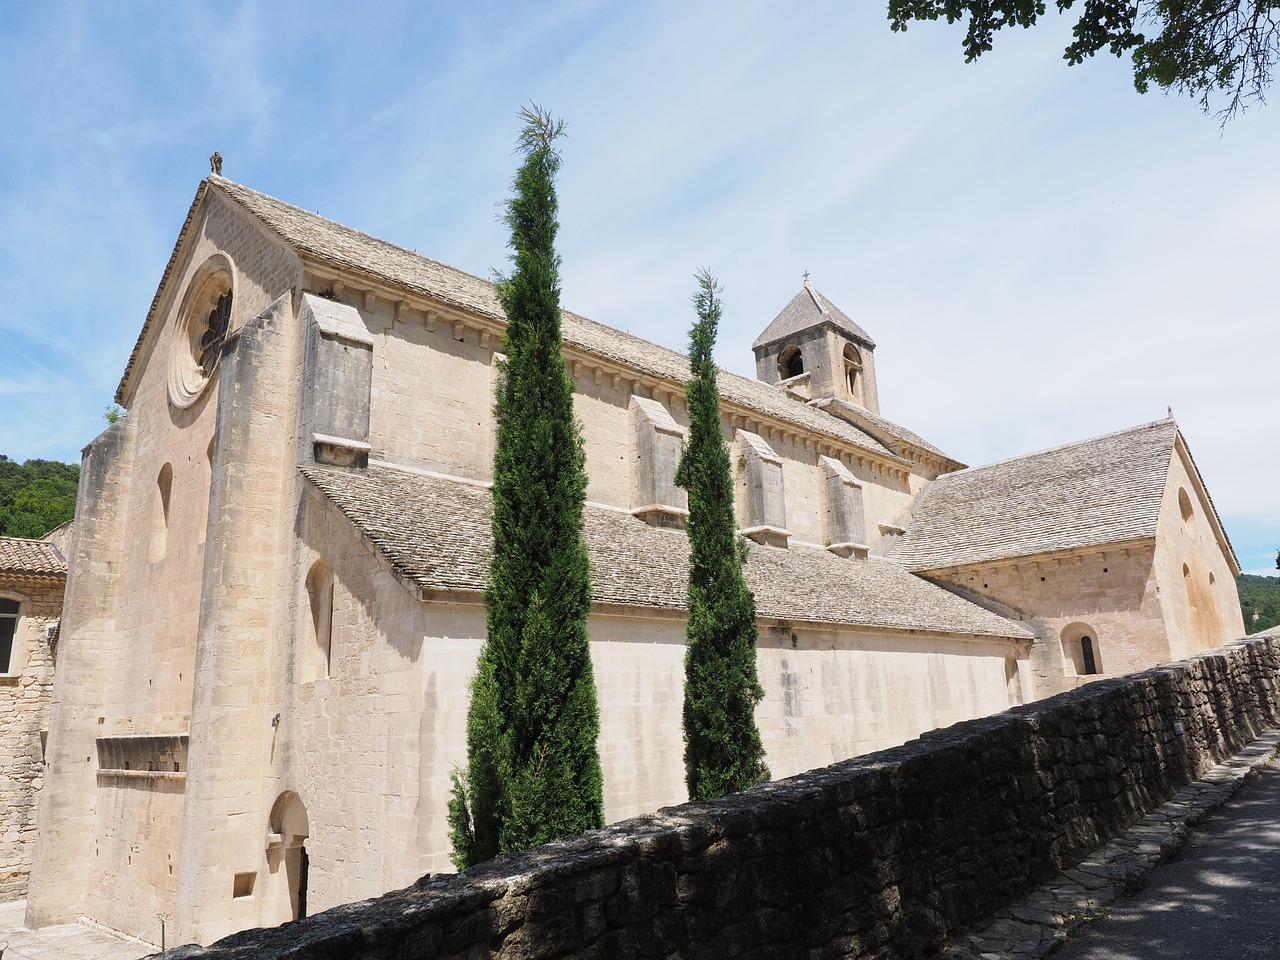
(1106, 489)
(31, 558)
(435, 532)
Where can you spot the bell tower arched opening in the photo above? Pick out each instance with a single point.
(790, 362)
(853, 372)
(814, 339)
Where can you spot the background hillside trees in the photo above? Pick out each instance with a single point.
(722, 753)
(36, 496)
(1260, 596)
(533, 773)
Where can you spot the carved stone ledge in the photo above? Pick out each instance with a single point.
(340, 452)
(769, 536)
(661, 515)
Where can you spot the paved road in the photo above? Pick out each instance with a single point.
(69, 941)
(1220, 898)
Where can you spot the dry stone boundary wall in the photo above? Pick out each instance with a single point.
(880, 856)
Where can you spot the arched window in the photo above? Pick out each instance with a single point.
(320, 598)
(853, 371)
(160, 515)
(9, 611)
(1082, 655)
(790, 362)
(1188, 513)
(1012, 682)
(1086, 655)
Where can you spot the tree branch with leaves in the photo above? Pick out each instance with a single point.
(1203, 49)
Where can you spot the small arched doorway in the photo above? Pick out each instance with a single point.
(287, 857)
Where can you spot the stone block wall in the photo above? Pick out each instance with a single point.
(884, 855)
(1109, 594)
(25, 693)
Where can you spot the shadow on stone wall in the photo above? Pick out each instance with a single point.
(882, 855)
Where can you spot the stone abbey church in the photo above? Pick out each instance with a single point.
(273, 604)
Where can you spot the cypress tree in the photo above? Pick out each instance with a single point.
(533, 773)
(722, 753)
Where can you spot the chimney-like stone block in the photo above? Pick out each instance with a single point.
(658, 442)
(846, 518)
(765, 519)
(337, 380)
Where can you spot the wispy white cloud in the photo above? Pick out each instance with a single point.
(1040, 253)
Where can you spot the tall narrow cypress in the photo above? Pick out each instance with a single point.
(723, 752)
(533, 773)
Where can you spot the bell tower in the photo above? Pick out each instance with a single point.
(814, 350)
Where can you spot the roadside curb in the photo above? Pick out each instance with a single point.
(1046, 918)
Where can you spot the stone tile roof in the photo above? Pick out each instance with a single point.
(807, 309)
(30, 558)
(344, 247)
(893, 435)
(435, 532)
(1103, 490)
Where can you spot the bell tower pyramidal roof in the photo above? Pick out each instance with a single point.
(809, 309)
(814, 351)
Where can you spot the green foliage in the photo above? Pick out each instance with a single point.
(723, 753)
(533, 773)
(36, 496)
(112, 413)
(1261, 596)
(1194, 47)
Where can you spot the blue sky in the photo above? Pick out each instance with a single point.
(1040, 253)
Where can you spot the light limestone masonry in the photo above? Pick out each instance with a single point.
(895, 854)
(1108, 595)
(1192, 575)
(25, 694)
(218, 594)
(231, 729)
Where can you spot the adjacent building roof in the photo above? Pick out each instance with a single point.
(1104, 490)
(31, 558)
(435, 532)
(342, 247)
(808, 309)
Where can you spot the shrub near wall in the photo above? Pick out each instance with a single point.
(882, 855)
